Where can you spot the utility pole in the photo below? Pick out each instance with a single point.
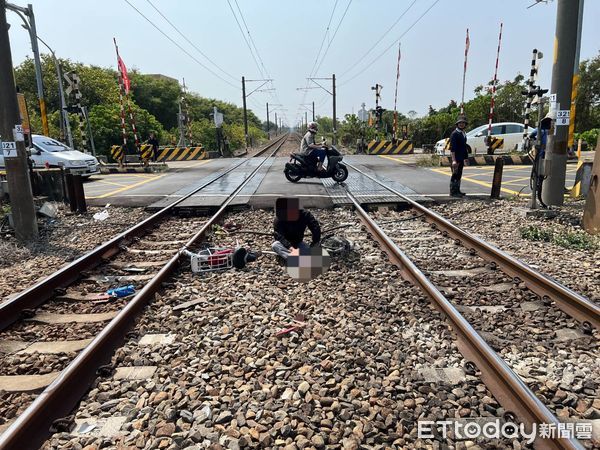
(244, 97)
(245, 112)
(275, 124)
(13, 144)
(568, 24)
(268, 135)
(334, 112)
(332, 93)
(30, 27)
(306, 118)
(313, 111)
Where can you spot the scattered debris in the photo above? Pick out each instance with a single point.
(49, 210)
(102, 215)
(122, 291)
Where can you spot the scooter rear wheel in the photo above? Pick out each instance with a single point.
(293, 177)
(340, 174)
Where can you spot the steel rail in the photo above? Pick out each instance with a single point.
(507, 387)
(32, 427)
(569, 301)
(11, 310)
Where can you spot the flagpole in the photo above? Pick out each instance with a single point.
(396, 95)
(125, 93)
(462, 100)
(121, 90)
(494, 82)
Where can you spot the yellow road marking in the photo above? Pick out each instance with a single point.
(481, 183)
(393, 159)
(111, 182)
(126, 188)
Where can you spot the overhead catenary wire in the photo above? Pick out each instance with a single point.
(181, 48)
(262, 74)
(333, 37)
(386, 33)
(313, 69)
(369, 65)
(190, 42)
(262, 70)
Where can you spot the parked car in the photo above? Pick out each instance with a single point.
(511, 132)
(49, 152)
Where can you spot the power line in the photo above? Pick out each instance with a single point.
(333, 37)
(392, 44)
(246, 40)
(190, 42)
(181, 48)
(323, 40)
(380, 39)
(314, 67)
(252, 40)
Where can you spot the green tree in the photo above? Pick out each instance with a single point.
(587, 114)
(159, 96)
(106, 122)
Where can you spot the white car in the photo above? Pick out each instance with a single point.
(49, 152)
(511, 132)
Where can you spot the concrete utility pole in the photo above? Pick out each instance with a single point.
(245, 112)
(258, 89)
(275, 124)
(334, 111)
(13, 145)
(268, 135)
(568, 25)
(30, 27)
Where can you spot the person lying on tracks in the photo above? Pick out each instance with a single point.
(289, 226)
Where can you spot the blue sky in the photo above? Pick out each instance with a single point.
(288, 36)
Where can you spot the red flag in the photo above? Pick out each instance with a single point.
(124, 76)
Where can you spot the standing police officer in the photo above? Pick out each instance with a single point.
(458, 150)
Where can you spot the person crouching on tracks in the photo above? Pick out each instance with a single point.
(309, 148)
(458, 150)
(289, 226)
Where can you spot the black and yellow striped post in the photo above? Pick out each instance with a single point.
(494, 144)
(146, 153)
(181, 154)
(576, 189)
(117, 154)
(398, 147)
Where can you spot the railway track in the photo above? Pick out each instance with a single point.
(145, 241)
(360, 372)
(526, 284)
(364, 357)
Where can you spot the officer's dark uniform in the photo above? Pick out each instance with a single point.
(458, 146)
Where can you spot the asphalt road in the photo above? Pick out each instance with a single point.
(418, 182)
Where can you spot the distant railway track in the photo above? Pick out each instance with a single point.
(33, 426)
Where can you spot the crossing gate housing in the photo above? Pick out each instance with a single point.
(399, 147)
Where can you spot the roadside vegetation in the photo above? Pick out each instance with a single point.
(572, 240)
(154, 100)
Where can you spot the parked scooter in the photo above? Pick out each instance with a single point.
(301, 166)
